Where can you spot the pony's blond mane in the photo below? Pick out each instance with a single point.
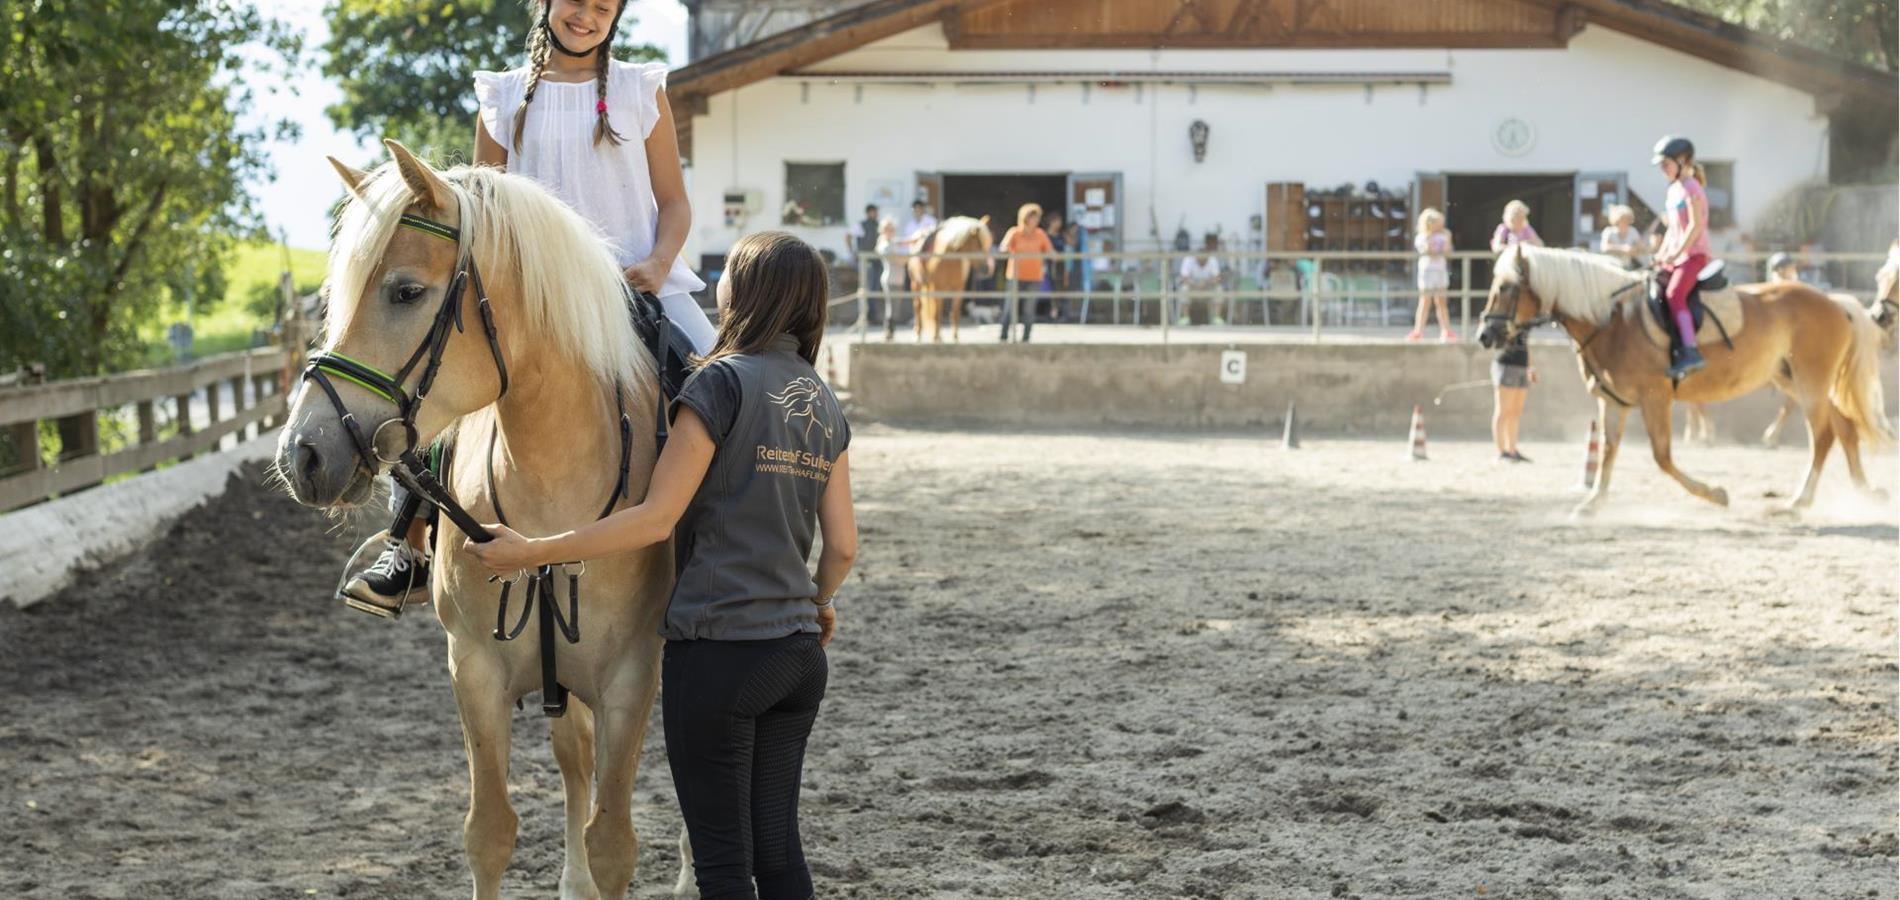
(570, 287)
(1577, 283)
(960, 234)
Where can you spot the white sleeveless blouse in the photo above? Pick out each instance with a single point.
(608, 185)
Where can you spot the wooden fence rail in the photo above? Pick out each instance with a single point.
(76, 405)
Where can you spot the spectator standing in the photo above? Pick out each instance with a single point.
(1434, 275)
(1055, 276)
(1515, 229)
(1781, 267)
(1025, 273)
(921, 224)
(1621, 239)
(891, 253)
(861, 241)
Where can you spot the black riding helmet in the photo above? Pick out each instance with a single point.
(1673, 147)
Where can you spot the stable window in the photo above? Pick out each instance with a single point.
(1721, 191)
(814, 194)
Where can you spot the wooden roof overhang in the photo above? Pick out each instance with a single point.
(1261, 24)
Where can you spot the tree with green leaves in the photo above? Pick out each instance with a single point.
(122, 166)
(406, 66)
(1862, 31)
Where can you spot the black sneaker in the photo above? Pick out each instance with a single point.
(398, 578)
(1688, 362)
(1517, 457)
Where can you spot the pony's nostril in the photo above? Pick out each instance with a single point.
(309, 461)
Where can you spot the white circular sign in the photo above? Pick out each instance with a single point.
(1513, 137)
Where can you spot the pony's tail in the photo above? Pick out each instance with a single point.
(1857, 391)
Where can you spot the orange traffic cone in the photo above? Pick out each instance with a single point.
(1418, 434)
(1592, 458)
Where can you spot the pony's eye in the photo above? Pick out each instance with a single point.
(409, 293)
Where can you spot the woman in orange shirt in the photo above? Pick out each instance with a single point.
(1026, 274)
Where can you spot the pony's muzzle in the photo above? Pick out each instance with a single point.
(1491, 335)
(321, 470)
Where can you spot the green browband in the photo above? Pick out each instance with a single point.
(428, 227)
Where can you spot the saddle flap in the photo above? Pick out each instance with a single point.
(1716, 309)
(672, 350)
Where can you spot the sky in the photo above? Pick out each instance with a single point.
(298, 200)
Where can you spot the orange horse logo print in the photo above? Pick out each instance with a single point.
(802, 398)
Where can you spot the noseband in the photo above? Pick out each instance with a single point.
(406, 465)
(1510, 317)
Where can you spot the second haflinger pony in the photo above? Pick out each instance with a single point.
(1826, 355)
(1884, 308)
(534, 414)
(933, 277)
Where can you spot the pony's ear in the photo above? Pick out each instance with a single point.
(429, 188)
(985, 220)
(1523, 265)
(352, 178)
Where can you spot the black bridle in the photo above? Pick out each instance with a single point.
(406, 465)
(417, 475)
(1509, 318)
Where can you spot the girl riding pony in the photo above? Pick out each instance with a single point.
(1685, 245)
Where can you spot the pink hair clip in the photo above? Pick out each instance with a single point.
(600, 108)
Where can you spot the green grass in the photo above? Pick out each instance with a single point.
(227, 325)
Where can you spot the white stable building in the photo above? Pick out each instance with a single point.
(1146, 118)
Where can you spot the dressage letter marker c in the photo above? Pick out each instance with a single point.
(1233, 367)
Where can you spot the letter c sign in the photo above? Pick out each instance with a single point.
(1233, 367)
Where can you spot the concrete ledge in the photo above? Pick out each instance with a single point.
(42, 547)
(1342, 389)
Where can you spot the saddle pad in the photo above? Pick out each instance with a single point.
(1724, 304)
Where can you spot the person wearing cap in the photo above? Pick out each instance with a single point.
(1685, 245)
(1781, 268)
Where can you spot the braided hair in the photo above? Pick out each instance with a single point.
(541, 45)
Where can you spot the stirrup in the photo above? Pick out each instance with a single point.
(359, 560)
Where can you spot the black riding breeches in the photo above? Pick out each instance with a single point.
(737, 714)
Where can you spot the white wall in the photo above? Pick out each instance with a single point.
(1594, 106)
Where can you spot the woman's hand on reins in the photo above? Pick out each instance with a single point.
(508, 552)
(647, 275)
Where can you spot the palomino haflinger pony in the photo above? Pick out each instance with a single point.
(933, 277)
(1826, 356)
(535, 415)
(1885, 309)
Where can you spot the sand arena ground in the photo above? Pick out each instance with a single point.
(1072, 665)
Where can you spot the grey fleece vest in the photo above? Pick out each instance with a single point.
(744, 543)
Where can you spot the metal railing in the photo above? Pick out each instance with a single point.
(1293, 290)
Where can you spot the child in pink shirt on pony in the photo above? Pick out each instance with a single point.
(1685, 245)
